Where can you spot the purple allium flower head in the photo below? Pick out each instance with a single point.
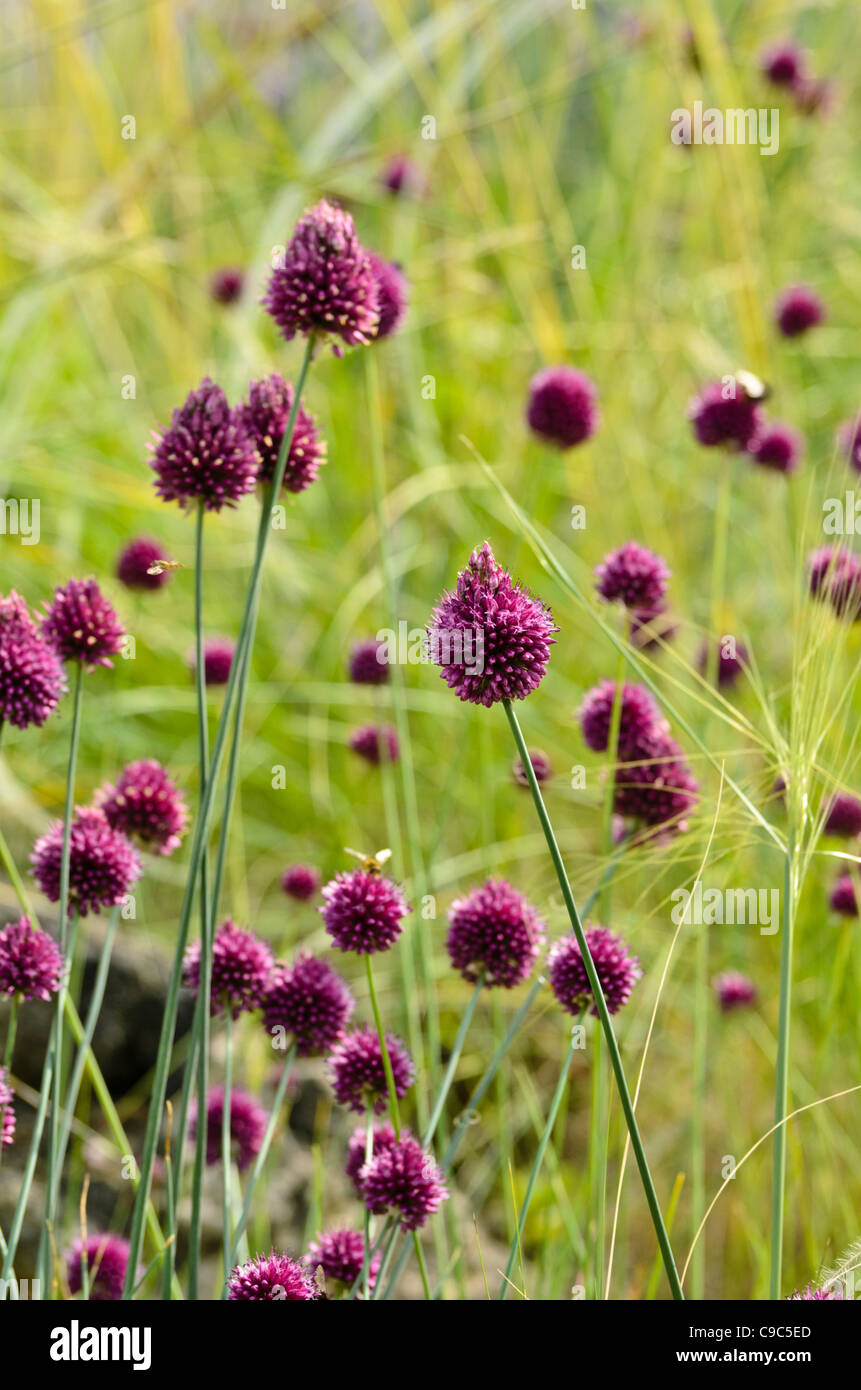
(849, 441)
(835, 575)
(31, 964)
(384, 1138)
(638, 716)
(368, 664)
(311, 1002)
(401, 175)
(490, 638)
(217, 660)
(632, 575)
(300, 881)
(146, 804)
(205, 454)
(843, 897)
(777, 447)
(404, 1178)
(241, 969)
(562, 407)
(272, 1277)
(136, 561)
(724, 414)
(326, 283)
(732, 661)
(226, 285)
(363, 911)
(392, 294)
(843, 815)
(247, 1125)
(107, 1259)
(495, 934)
(358, 1075)
(617, 971)
(7, 1111)
(797, 310)
(541, 766)
(265, 417)
(815, 95)
(341, 1255)
(734, 991)
(655, 784)
(31, 673)
(812, 1294)
(651, 626)
(784, 64)
(373, 742)
(81, 625)
(103, 866)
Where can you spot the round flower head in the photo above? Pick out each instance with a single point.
(136, 562)
(849, 442)
(241, 967)
(205, 455)
(300, 881)
(145, 804)
(358, 1075)
(266, 417)
(797, 310)
(247, 1126)
(811, 1294)
(616, 970)
(401, 175)
(272, 1277)
(326, 283)
(835, 575)
(405, 1179)
(226, 285)
(374, 742)
(341, 1256)
(7, 1111)
(31, 673)
(734, 991)
(107, 1258)
(217, 661)
(490, 638)
(368, 664)
(31, 964)
(843, 815)
(632, 575)
(562, 407)
(655, 784)
(843, 898)
(81, 625)
(724, 414)
(777, 447)
(541, 766)
(732, 661)
(638, 716)
(494, 934)
(363, 911)
(384, 1138)
(392, 293)
(103, 866)
(814, 95)
(784, 64)
(310, 1002)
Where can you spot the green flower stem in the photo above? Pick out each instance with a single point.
(387, 1061)
(11, 1031)
(29, 1167)
(453, 1060)
(53, 1174)
(260, 1160)
(366, 1256)
(781, 1084)
(601, 1005)
(201, 832)
(226, 1171)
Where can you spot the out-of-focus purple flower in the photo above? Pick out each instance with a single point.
(732, 661)
(815, 95)
(7, 1111)
(326, 284)
(107, 1259)
(393, 293)
(358, 1075)
(145, 803)
(206, 454)
(562, 407)
(103, 866)
(31, 964)
(541, 766)
(404, 1178)
(652, 626)
(31, 673)
(617, 971)
(311, 1002)
(241, 969)
(218, 655)
(138, 559)
(843, 897)
(226, 285)
(835, 576)
(655, 785)
(368, 663)
(490, 638)
(632, 575)
(494, 934)
(812, 1294)
(734, 991)
(265, 417)
(784, 64)
(273, 1278)
(247, 1125)
(341, 1256)
(797, 310)
(638, 716)
(373, 742)
(724, 414)
(81, 625)
(849, 441)
(384, 1138)
(363, 911)
(843, 815)
(300, 881)
(778, 447)
(402, 175)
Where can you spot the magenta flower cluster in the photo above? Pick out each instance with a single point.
(146, 805)
(241, 969)
(310, 1002)
(31, 963)
(247, 1126)
(32, 679)
(81, 625)
(103, 866)
(363, 911)
(358, 1074)
(494, 935)
(617, 971)
(272, 1278)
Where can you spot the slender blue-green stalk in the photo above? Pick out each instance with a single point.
(366, 1255)
(226, 1169)
(781, 1084)
(257, 1169)
(453, 1060)
(601, 1006)
(201, 832)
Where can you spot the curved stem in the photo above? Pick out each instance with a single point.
(781, 1085)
